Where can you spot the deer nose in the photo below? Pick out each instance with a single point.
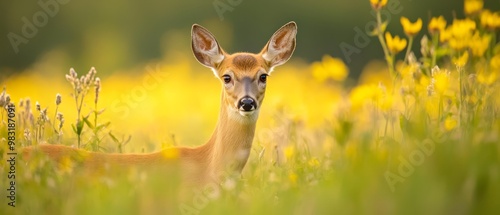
(247, 104)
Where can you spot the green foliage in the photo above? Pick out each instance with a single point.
(427, 144)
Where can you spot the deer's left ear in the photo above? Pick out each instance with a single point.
(281, 45)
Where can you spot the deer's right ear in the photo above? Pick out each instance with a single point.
(205, 47)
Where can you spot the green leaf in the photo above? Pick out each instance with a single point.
(342, 131)
(373, 33)
(86, 120)
(390, 59)
(113, 137)
(79, 127)
(101, 126)
(383, 27)
(377, 31)
(441, 52)
(496, 49)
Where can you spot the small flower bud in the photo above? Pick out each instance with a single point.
(97, 85)
(59, 116)
(92, 73)
(7, 99)
(70, 79)
(2, 98)
(58, 99)
(27, 134)
(72, 73)
(44, 113)
(28, 104)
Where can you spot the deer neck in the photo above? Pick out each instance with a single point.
(231, 141)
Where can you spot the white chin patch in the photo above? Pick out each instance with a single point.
(246, 113)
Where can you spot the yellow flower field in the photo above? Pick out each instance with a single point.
(411, 136)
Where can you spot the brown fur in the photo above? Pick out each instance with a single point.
(244, 62)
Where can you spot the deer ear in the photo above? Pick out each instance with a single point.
(205, 47)
(281, 45)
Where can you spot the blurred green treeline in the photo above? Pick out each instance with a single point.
(116, 35)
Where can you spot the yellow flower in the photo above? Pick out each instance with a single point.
(490, 20)
(458, 44)
(461, 61)
(437, 24)
(473, 6)
(495, 62)
(422, 85)
(395, 44)
(460, 34)
(432, 108)
(486, 78)
(378, 4)
(313, 162)
(450, 123)
(360, 95)
(406, 71)
(479, 44)
(371, 94)
(386, 103)
(462, 28)
(440, 80)
(170, 153)
(66, 165)
(411, 29)
(289, 152)
(445, 35)
(329, 68)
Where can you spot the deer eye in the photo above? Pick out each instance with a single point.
(263, 78)
(226, 78)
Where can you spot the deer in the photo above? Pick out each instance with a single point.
(243, 77)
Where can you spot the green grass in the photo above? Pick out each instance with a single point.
(426, 143)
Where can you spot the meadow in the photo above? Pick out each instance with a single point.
(413, 135)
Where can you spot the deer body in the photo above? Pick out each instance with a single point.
(243, 77)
